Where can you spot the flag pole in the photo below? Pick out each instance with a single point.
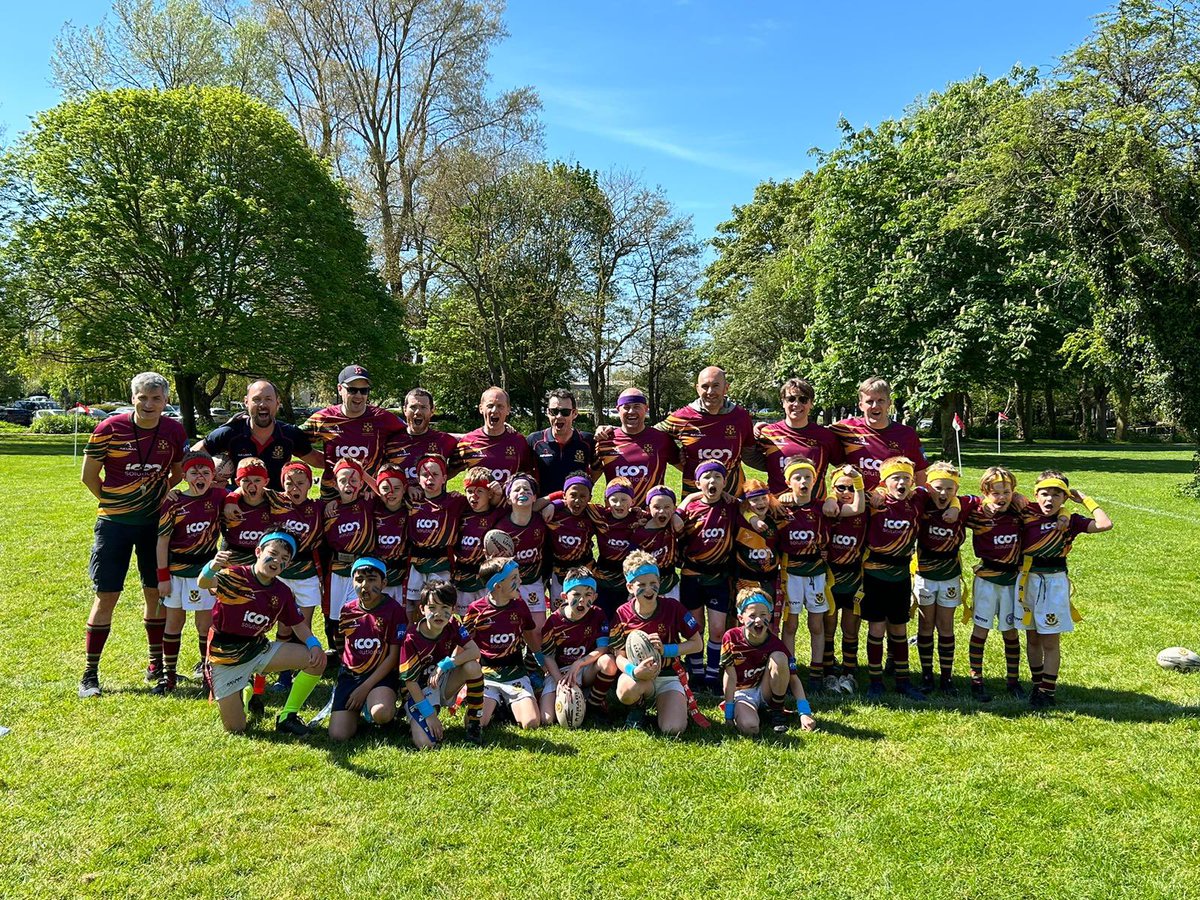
(958, 446)
(998, 421)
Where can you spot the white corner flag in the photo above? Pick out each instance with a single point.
(958, 429)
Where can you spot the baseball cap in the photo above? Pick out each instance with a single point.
(350, 373)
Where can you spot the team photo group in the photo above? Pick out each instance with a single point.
(566, 582)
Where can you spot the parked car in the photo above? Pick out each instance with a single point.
(92, 411)
(172, 411)
(925, 425)
(38, 398)
(43, 413)
(16, 415)
(122, 410)
(218, 413)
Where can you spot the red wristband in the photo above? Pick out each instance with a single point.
(164, 574)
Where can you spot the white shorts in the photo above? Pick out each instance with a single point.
(307, 591)
(228, 680)
(437, 698)
(186, 594)
(550, 687)
(465, 599)
(947, 594)
(417, 580)
(509, 692)
(341, 592)
(752, 696)
(995, 603)
(807, 593)
(667, 684)
(534, 595)
(1048, 594)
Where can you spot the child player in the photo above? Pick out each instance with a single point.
(528, 532)
(571, 530)
(349, 534)
(615, 524)
(757, 669)
(189, 525)
(1045, 592)
(391, 527)
(755, 550)
(847, 541)
(437, 659)
(658, 537)
(502, 628)
(250, 600)
(372, 626)
(937, 583)
(575, 645)
(433, 525)
(475, 524)
(247, 514)
(671, 628)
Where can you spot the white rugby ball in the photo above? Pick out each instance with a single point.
(638, 648)
(570, 706)
(498, 543)
(1180, 658)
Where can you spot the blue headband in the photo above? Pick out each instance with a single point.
(572, 583)
(648, 569)
(755, 598)
(369, 562)
(509, 568)
(278, 536)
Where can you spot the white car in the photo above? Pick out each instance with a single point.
(90, 411)
(46, 411)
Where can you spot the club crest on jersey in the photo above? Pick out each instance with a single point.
(194, 595)
(368, 428)
(163, 445)
(510, 451)
(1051, 618)
(579, 456)
(647, 449)
(730, 431)
(277, 453)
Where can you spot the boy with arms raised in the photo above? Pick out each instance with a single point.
(528, 532)
(575, 645)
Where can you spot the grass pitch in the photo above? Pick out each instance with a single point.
(140, 796)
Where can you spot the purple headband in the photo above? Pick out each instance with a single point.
(660, 490)
(760, 492)
(617, 489)
(711, 465)
(631, 395)
(577, 479)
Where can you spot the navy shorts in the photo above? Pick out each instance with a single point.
(694, 593)
(886, 600)
(113, 544)
(610, 598)
(348, 682)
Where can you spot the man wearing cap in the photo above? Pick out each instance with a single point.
(712, 427)
(352, 429)
(418, 439)
(493, 445)
(560, 449)
(634, 451)
(257, 432)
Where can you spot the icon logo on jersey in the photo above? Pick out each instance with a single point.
(501, 640)
(142, 468)
(356, 453)
(632, 471)
(527, 554)
(410, 473)
(196, 527)
(370, 643)
(255, 619)
(722, 454)
(1004, 540)
(844, 540)
(389, 540)
(427, 524)
(617, 543)
(938, 531)
(348, 527)
(868, 462)
(250, 537)
(570, 540)
(712, 533)
(501, 475)
(759, 554)
(803, 535)
(296, 527)
(470, 540)
(755, 674)
(896, 524)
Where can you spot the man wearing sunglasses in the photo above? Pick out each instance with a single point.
(560, 449)
(352, 429)
(796, 437)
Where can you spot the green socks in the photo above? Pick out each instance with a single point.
(302, 686)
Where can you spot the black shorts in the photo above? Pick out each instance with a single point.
(348, 682)
(694, 593)
(886, 600)
(610, 598)
(112, 546)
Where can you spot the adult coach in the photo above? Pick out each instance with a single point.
(130, 462)
(634, 451)
(561, 449)
(258, 433)
(795, 437)
(493, 445)
(869, 439)
(352, 429)
(712, 427)
(418, 438)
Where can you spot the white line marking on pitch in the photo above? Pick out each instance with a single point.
(1150, 509)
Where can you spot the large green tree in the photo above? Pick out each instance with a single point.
(190, 230)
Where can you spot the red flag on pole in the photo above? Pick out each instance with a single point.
(1003, 417)
(958, 422)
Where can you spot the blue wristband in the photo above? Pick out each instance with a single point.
(539, 658)
(630, 668)
(670, 649)
(802, 708)
(312, 643)
(447, 664)
(207, 571)
(424, 708)
(729, 711)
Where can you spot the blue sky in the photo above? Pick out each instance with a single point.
(704, 98)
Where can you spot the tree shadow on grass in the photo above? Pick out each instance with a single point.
(40, 448)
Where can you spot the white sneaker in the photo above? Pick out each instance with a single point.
(833, 683)
(846, 684)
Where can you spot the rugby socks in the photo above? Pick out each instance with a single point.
(260, 684)
(775, 701)
(302, 686)
(875, 657)
(830, 636)
(925, 653)
(816, 671)
(849, 654)
(695, 665)
(946, 655)
(474, 698)
(170, 652)
(712, 662)
(1048, 685)
(975, 659)
(93, 646)
(202, 645)
(1036, 676)
(1012, 659)
(898, 648)
(600, 687)
(154, 637)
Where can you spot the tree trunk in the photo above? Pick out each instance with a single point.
(285, 398)
(1051, 413)
(1101, 423)
(1085, 408)
(1025, 415)
(185, 387)
(1124, 403)
(947, 407)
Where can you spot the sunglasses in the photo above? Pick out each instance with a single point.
(797, 399)
(843, 487)
(555, 411)
(356, 390)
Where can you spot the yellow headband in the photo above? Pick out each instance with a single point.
(941, 475)
(1052, 483)
(895, 468)
(795, 467)
(1009, 479)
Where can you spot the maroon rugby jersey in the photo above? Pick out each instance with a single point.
(996, 540)
(505, 455)
(703, 436)
(570, 538)
(136, 465)
(847, 540)
(938, 540)
(782, 444)
(642, 458)
(363, 439)
(804, 537)
(660, 543)
(755, 552)
(370, 632)
(867, 448)
(306, 523)
(1042, 540)
(614, 540)
(404, 449)
(891, 537)
(570, 640)
(349, 532)
(469, 555)
(194, 525)
(707, 537)
(391, 541)
(433, 531)
(670, 621)
(419, 655)
(245, 610)
(749, 660)
(529, 544)
(499, 631)
(243, 537)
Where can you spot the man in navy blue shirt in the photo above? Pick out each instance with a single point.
(257, 433)
(560, 449)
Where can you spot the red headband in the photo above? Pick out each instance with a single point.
(245, 470)
(476, 482)
(391, 472)
(434, 458)
(347, 463)
(200, 461)
(296, 467)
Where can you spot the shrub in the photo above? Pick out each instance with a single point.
(63, 424)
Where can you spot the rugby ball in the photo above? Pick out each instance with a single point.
(1179, 658)
(498, 543)
(638, 648)
(570, 706)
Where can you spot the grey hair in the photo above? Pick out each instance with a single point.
(149, 381)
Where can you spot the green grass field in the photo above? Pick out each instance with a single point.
(138, 796)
